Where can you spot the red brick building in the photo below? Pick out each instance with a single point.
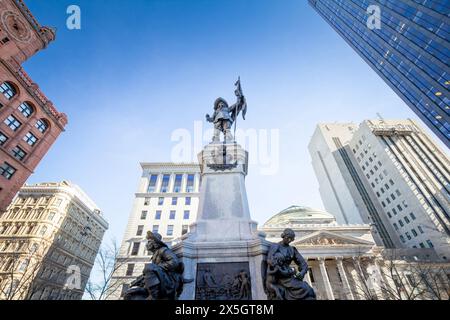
(29, 123)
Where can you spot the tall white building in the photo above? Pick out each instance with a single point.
(50, 232)
(390, 174)
(166, 202)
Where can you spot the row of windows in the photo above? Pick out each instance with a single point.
(172, 215)
(14, 124)
(169, 232)
(174, 201)
(165, 183)
(155, 229)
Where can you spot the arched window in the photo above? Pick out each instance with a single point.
(26, 109)
(42, 125)
(8, 90)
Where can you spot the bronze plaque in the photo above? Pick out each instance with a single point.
(223, 281)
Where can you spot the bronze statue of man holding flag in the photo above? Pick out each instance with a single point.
(224, 116)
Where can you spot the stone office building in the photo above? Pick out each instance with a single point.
(389, 174)
(346, 264)
(29, 123)
(166, 202)
(50, 231)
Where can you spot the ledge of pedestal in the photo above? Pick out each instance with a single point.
(222, 158)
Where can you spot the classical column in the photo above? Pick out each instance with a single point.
(326, 280)
(344, 278)
(380, 279)
(307, 277)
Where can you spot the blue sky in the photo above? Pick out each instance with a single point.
(138, 70)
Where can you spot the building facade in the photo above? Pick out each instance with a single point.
(29, 123)
(346, 264)
(393, 174)
(409, 51)
(49, 238)
(166, 202)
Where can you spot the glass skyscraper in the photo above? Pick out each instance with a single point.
(410, 50)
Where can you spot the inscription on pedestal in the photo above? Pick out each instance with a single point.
(223, 281)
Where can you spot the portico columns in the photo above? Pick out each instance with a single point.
(307, 278)
(344, 278)
(326, 280)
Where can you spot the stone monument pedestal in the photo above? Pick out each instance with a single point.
(223, 252)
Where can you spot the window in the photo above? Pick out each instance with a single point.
(399, 207)
(7, 171)
(402, 239)
(190, 183)
(420, 229)
(184, 229)
(172, 215)
(165, 183)
(174, 201)
(398, 192)
(422, 245)
(394, 211)
(391, 182)
(389, 214)
(395, 226)
(135, 249)
(406, 220)
(26, 109)
(30, 139)
(186, 214)
(430, 244)
(8, 90)
(152, 183)
(155, 228)
(160, 201)
(18, 153)
(170, 230)
(41, 126)
(400, 222)
(408, 235)
(187, 201)
(125, 288)
(51, 215)
(12, 123)
(414, 232)
(43, 231)
(24, 265)
(3, 139)
(130, 269)
(177, 186)
(147, 202)
(144, 215)
(140, 230)
(158, 215)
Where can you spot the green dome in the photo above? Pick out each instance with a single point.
(300, 215)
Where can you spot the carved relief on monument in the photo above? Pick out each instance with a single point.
(223, 281)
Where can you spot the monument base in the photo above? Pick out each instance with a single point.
(223, 270)
(223, 252)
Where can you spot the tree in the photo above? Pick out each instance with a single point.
(107, 263)
(415, 279)
(18, 281)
